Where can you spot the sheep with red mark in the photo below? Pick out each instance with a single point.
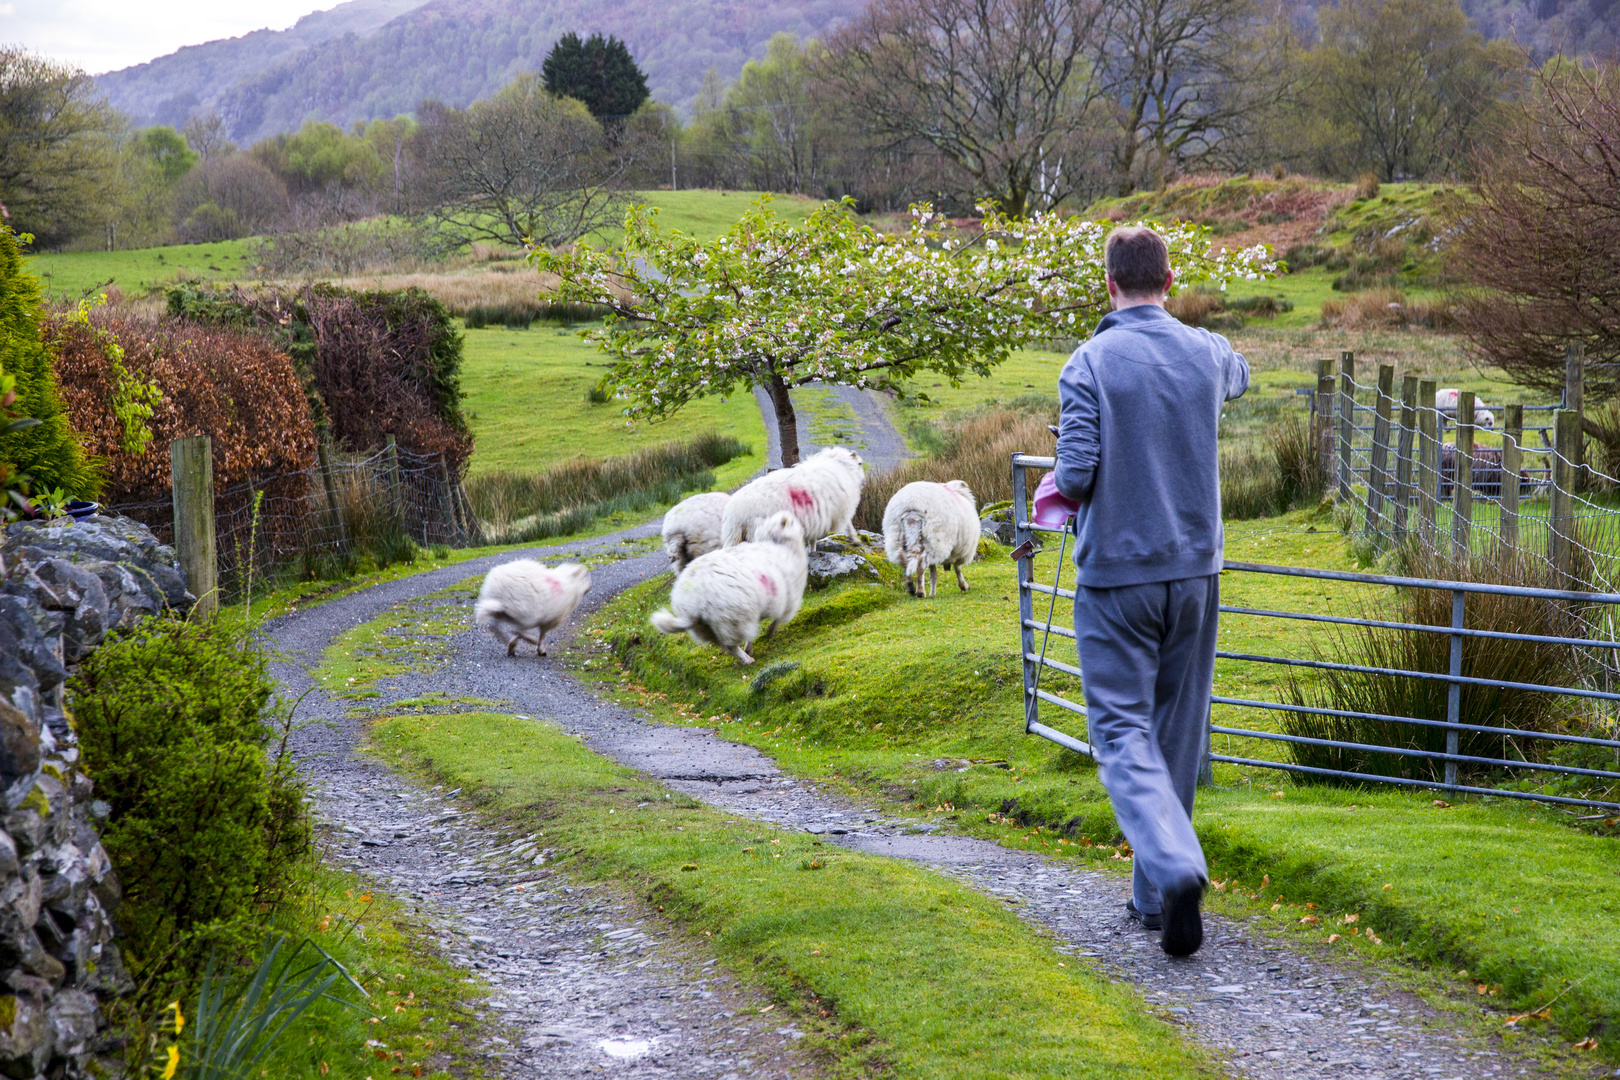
(522, 600)
(928, 525)
(1446, 400)
(721, 597)
(821, 492)
(692, 527)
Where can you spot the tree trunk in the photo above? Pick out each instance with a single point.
(787, 421)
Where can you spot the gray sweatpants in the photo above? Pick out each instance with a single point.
(1147, 657)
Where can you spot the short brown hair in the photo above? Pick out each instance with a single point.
(1137, 259)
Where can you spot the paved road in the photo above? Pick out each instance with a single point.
(588, 980)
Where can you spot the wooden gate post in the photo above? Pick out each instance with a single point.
(1324, 423)
(1428, 462)
(1403, 454)
(1347, 422)
(1561, 518)
(396, 497)
(1512, 455)
(1462, 479)
(191, 467)
(1378, 467)
(1575, 402)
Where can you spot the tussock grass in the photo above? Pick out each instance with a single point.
(1385, 308)
(518, 507)
(1278, 475)
(977, 449)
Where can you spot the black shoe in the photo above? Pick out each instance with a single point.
(1149, 922)
(1183, 925)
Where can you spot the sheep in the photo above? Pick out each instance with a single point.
(931, 525)
(522, 597)
(1446, 400)
(721, 597)
(821, 491)
(692, 527)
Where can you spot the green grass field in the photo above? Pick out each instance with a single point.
(525, 393)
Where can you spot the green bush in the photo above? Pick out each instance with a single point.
(178, 729)
(48, 453)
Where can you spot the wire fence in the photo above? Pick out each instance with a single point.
(329, 519)
(1487, 688)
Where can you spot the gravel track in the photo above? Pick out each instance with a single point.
(879, 444)
(580, 976)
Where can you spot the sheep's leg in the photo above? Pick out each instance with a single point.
(961, 582)
(540, 643)
(741, 654)
(770, 631)
(933, 580)
(511, 644)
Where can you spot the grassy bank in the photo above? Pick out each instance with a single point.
(891, 970)
(919, 704)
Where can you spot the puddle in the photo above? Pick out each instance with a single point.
(625, 1049)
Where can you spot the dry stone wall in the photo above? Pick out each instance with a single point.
(63, 588)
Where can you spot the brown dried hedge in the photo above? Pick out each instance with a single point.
(228, 384)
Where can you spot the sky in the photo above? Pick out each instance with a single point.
(105, 35)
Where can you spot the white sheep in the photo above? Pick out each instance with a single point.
(822, 492)
(522, 600)
(1446, 400)
(692, 527)
(931, 525)
(722, 596)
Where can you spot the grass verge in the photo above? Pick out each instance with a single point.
(893, 970)
(919, 704)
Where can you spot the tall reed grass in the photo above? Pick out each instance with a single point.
(977, 449)
(1282, 473)
(1509, 660)
(517, 507)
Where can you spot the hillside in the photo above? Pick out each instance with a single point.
(453, 50)
(193, 79)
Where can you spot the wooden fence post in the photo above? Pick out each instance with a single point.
(191, 467)
(1462, 479)
(1347, 422)
(1428, 463)
(1575, 402)
(1512, 455)
(396, 496)
(449, 500)
(1403, 454)
(1325, 391)
(331, 494)
(1378, 467)
(1561, 518)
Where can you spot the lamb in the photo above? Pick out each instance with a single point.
(1446, 400)
(722, 596)
(931, 525)
(821, 491)
(522, 600)
(692, 527)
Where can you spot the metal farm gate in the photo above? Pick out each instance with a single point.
(1517, 762)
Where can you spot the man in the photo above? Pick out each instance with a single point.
(1136, 449)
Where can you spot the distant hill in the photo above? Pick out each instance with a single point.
(377, 58)
(194, 79)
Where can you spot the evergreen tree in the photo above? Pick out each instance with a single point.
(597, 71)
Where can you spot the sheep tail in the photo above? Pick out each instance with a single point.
(485, 610)
(668, 623)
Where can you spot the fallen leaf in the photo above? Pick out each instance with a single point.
(1481, 989)
(1442, 804)
(325, 1068)
(365, 898)
(1310, 906)
(1220, 886)
(1309, 919)
(1276, 794)
(1348, 919)
(1374, 938)
(1388, 886)
(1275, 907)
(767, 1009)
(1588, 1043)
(1265, 880)
(380, 1055)
(1332, 938)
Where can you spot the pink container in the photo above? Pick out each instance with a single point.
(1052, 508)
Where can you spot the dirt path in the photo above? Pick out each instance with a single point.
(581, 979)
(878, 443)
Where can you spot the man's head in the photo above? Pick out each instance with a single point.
(1138, 265)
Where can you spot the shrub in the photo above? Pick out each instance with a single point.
(1367, 186)
(177, 727)
(977, 449)
(47, 452)
(1425, 699)
(375, 362)
(231, 385)
(1199, 307)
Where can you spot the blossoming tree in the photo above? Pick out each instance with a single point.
(777, 304)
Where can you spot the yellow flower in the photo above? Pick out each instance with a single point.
(179, 1021)
(174, 1060)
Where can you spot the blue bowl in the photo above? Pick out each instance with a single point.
(79, 509)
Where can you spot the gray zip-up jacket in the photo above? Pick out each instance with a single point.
(1136, 447)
